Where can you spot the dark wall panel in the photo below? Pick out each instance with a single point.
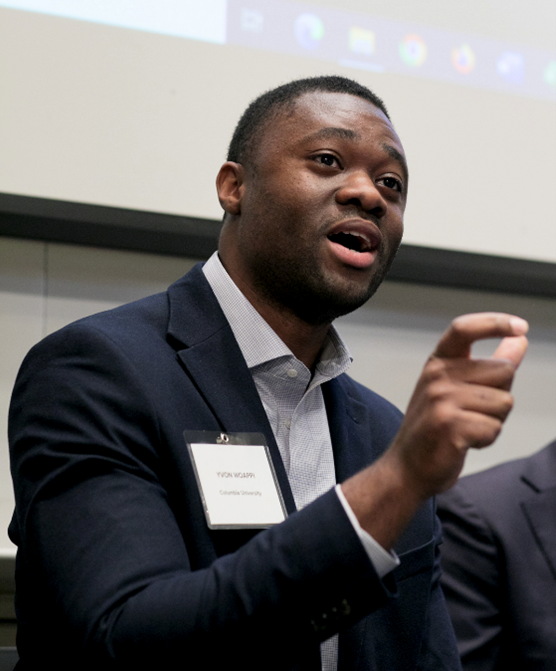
(116, 228)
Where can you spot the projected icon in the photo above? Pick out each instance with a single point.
(413, 50)
(511, 66)
(549, 74)
(252, 21)
(362, 41)
(309, 30)
(463, 59)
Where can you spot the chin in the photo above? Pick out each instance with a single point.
(327, 304)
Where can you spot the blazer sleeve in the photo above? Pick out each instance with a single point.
(104, 569)
(470, 580)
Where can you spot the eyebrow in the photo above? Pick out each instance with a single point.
(334, 132)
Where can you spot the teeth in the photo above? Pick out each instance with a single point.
(343, 238)
(359, 235)
(365, 240)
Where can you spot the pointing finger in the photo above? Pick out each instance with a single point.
(465, 330)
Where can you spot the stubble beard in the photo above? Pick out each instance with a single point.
(303, 289)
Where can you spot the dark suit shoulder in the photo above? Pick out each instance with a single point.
(494, 489)
(124, 322)
(498, 572)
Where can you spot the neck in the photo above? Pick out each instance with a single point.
(303, 339)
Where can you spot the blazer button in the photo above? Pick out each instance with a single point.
(330, 620)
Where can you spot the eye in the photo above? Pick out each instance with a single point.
(392, 183)
(327, 159)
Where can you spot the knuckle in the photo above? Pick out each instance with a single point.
(438, 394)
(493, 430)
(435, 369)
(500, 320)
(501, 372)
(496, 430)
(507, 404)
(461, 441)
(507, 368)
(444, 417)
(458, 325)
(488, 433)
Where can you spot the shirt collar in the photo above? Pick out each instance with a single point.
(244, 321)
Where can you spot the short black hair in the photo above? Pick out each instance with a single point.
(270, 104)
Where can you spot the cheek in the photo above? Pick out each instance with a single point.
(309, 205)
(294, 212)
(285, 216)
(393, 232)
(396, 220)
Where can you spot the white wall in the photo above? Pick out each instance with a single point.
(391, 337)
(44, 286)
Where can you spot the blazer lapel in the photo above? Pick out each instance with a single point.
(540, 512)
(540, 508)
(349, 430)
(209, 353)
(353, 450)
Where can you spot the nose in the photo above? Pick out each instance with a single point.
(360, 190)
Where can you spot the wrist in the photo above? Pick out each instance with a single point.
(384, 499)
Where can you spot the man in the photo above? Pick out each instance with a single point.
(117, 564)
(499, 560)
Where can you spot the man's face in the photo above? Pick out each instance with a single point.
(321, 208)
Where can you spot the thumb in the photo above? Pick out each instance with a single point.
(512, 349)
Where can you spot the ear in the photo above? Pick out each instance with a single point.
(230, 187)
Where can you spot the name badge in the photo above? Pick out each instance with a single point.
(236, 479)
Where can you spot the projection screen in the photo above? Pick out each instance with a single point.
(130, 104)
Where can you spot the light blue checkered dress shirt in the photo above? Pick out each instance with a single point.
(294, 404)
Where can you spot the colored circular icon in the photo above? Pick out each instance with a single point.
(511, 67)
(463, 59)
(309, 30)
(549, 74)
(413, 50)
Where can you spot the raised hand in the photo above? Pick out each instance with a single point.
(459, 402)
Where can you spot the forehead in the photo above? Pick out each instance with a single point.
(316, 111)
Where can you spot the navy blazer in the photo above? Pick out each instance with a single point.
(499, 560)
(116, 567)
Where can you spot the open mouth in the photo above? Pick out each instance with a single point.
(357, 242)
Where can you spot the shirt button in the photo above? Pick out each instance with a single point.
(292, 372)
(288, 423)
